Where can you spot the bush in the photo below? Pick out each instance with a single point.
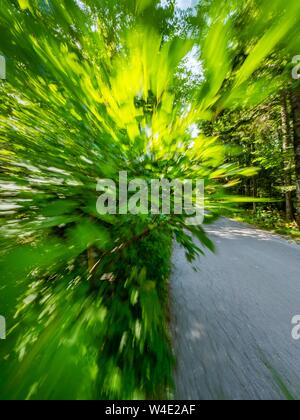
(137, 341)
(270, 219)
(111, 343)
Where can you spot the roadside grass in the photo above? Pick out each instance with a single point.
(279, 380)
(269, 220)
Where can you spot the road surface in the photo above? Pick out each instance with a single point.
(232, 319)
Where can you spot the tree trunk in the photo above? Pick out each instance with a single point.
(254, 179)
(247, 187)
(286, 148)
(254, 193)
(295, 99)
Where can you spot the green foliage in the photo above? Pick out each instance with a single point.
(93, 88)
(270, 219)
(111, 342)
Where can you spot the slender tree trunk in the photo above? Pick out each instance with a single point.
(295, 99)
(254, 179)
(247, 187)
(286, 140)
(254, 193)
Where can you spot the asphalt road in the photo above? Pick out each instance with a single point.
(232, 319)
